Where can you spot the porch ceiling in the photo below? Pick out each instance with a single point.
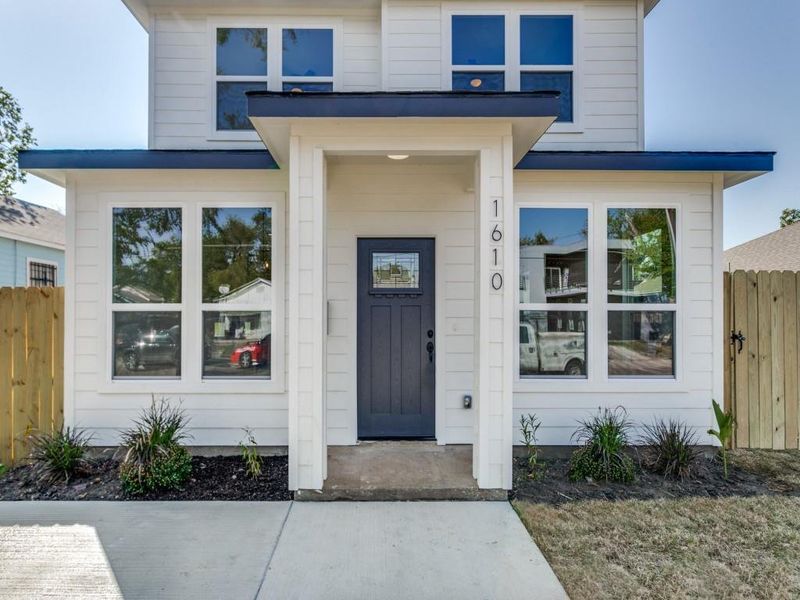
(530, 114)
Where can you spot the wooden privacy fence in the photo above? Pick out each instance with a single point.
(761, 373)
(31, 366)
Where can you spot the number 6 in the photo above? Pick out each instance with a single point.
(497, 235)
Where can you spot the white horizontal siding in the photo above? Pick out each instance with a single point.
(215, 418)
(690, 401)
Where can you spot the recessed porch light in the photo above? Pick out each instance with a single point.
(397, 156)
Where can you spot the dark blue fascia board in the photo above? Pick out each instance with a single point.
(146, 159)
(761, 162)
(402, 104)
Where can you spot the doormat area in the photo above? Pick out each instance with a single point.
(212, 478)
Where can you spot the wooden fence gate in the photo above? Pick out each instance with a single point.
(31, 366)
(762, 318)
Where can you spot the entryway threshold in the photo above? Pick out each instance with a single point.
(400, 471)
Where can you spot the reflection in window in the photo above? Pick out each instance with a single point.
(147, 255)
(392, 270)
(237, 344)
(552, 343)
(241, 51)
(232, 104)
(545, 40)
(147, 344)
(237, 256)
(478, 81)
(478, 40)
(305, 86)
(641, 344)
(308, 52)
(641, 255)
(551, 82)
(553, 255)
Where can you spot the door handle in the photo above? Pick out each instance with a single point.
(429, 348)
(738, 338)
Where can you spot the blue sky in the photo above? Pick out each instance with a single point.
(719, 75)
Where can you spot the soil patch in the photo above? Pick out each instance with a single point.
(212, 478)
(553, 485)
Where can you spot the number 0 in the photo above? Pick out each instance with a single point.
(497, 281)
(497, 235)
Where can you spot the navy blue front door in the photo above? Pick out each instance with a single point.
(396, 338)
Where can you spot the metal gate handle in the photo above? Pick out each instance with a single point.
(738, 338)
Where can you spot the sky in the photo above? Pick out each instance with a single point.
(719, 75)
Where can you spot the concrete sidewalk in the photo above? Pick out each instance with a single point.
(269, 550)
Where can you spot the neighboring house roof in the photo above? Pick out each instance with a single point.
(776, 251)
(31, 223)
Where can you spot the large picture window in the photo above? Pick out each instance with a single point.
(641, 270)
(237, 292)
(146, 292)
(553, 292)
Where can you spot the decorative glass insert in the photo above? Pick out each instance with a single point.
(237, 344)
(551, 82)
(146, 255)
(475, 81)
(395, 270)
(306, 86)
(241, 51)
(237, 256)
(232, 104)
(307, 53)
(545, 40)
(641, 344)
(478, 40)
(641, 255)
(553, 257)
(147, 344)
(552, 343)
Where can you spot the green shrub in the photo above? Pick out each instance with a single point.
(529, 425)
(602, 456)
(252, 459)
(670, 448)
(155, 458)
(724, 432)
(3, 469)
(59, 454)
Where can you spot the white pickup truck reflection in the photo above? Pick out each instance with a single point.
(542, 353)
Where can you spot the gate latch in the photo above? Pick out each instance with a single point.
(738, 338)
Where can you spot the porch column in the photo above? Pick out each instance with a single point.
(307, 445)
(495, 289)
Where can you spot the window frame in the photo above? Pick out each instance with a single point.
(274, 78)
(191, 381)
(513, 69)
(30, 260)
(588, 308)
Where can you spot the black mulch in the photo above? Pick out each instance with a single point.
(553, 486)
(212, 478)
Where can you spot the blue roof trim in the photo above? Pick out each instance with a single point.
(146, 159)
(761, 162)
(402, 104)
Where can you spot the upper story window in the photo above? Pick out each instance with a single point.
(536, 54)
(267, 58)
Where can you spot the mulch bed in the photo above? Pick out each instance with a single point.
(553, 486)
(212, 478)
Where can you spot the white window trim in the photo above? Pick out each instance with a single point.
(274, 78)
(40, 261)
(513, 69)
(191, 381)
(597, 379)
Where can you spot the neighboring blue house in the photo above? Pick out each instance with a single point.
(31, 245)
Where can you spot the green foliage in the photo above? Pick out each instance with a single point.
(789, 216)
(59, 454)
(723, 432)
(252, 459)
(529, 425)
(602, 456)
(155, 458)
(671, 448)
(15, 136)
(537, 239)
(3, 469)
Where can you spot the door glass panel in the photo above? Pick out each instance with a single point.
(395, 270)
(552, 343)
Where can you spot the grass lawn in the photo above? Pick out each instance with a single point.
(733, 547)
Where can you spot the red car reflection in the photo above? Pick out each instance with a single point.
(253, 354)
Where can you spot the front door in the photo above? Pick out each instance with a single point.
(396, 338)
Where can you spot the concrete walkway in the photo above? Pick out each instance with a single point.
(266, 550)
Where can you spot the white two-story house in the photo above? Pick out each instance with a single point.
(393, 219)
